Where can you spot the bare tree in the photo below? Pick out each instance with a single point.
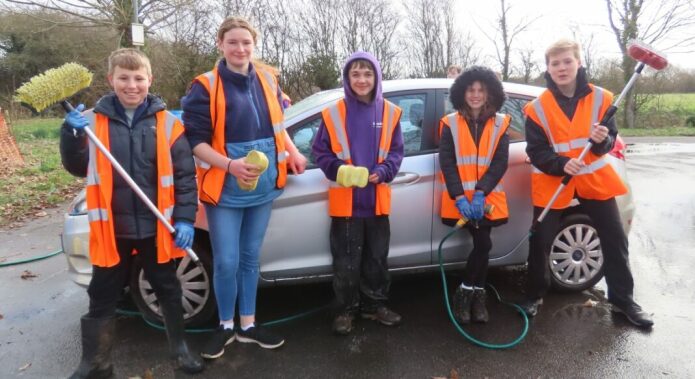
(466, 51)
(670, 23)
(505, 33)
(112, 14)
(423, 38)
(528, 65)
(370, 25)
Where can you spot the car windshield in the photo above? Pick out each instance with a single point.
(313, 101)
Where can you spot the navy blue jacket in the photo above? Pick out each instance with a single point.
(250, 109)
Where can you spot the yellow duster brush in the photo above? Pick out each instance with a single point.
(55, 85)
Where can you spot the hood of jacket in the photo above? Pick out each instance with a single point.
(377, 99)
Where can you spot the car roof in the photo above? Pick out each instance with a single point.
(316, 102)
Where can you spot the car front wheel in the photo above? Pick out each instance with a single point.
(576, 260)
(196, 284)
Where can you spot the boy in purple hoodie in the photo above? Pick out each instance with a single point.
(359, 147)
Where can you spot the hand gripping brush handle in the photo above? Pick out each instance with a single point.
(117, 166)
(646, 56)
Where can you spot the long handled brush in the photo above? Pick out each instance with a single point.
(55, 86)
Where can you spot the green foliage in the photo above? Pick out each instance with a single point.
(174, 65)
(323, 71)
(666, 110)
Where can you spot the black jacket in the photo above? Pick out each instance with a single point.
(539, 149)
(447, 160)
(134, 147)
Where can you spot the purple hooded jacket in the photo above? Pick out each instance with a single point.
(363, 126)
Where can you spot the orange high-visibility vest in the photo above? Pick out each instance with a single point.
(340, 198)
(597, 180)
(211, 179)
(473, 162)
(102, 241)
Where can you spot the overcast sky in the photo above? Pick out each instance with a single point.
(556, 19)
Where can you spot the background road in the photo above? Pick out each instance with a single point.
(39, 327)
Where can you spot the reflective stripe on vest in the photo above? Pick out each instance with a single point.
(472, 165)
(597, 180)
(340, 198)
(102, 241)
(211, 179)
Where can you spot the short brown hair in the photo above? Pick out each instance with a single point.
(560, 47)
(129, 59)
(233, 23)
(361, 63)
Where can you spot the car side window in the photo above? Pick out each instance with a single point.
(412, 119)
(514, 107)
(303, 137)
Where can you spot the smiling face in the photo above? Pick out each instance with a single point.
(362, 80)
(476, 97)
(131, 86)
(563, 67)
(237, 48)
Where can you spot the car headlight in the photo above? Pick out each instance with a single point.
(79, 205)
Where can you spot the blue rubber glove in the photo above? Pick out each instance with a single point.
(75, 118)
(478, 205)
(464, 208)
(184, 234)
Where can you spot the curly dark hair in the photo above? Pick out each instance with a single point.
(489, 80)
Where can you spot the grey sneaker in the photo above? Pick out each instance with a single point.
(383, 315)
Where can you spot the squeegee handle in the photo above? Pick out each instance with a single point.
(117, 166)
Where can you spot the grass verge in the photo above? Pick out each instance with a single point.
(25, 192)
(672, 131)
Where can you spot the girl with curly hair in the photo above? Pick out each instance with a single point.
(473, 154)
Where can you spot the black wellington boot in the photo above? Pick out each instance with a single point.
(97, 340)
(462, 305)
(479, 310)
(173, 321)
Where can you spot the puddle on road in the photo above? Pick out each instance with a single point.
(659, 148)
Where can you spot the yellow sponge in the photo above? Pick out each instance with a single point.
(258, 159)
(352, 176)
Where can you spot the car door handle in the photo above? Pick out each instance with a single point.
(406, 178)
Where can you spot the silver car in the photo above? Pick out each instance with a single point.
(296, 245)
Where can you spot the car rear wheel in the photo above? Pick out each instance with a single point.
(196, 283)
(576, 260)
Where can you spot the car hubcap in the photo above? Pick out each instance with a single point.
(575, 256)
(195, 285)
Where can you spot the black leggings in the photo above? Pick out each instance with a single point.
(107, 283)
(476, 267)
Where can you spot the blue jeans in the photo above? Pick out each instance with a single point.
(236, 235)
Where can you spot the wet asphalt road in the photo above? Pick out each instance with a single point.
(39, 328)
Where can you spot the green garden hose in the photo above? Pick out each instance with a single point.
(34, 259)
(497, 295)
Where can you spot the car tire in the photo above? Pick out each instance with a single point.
(576, 261)
(198, 298)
